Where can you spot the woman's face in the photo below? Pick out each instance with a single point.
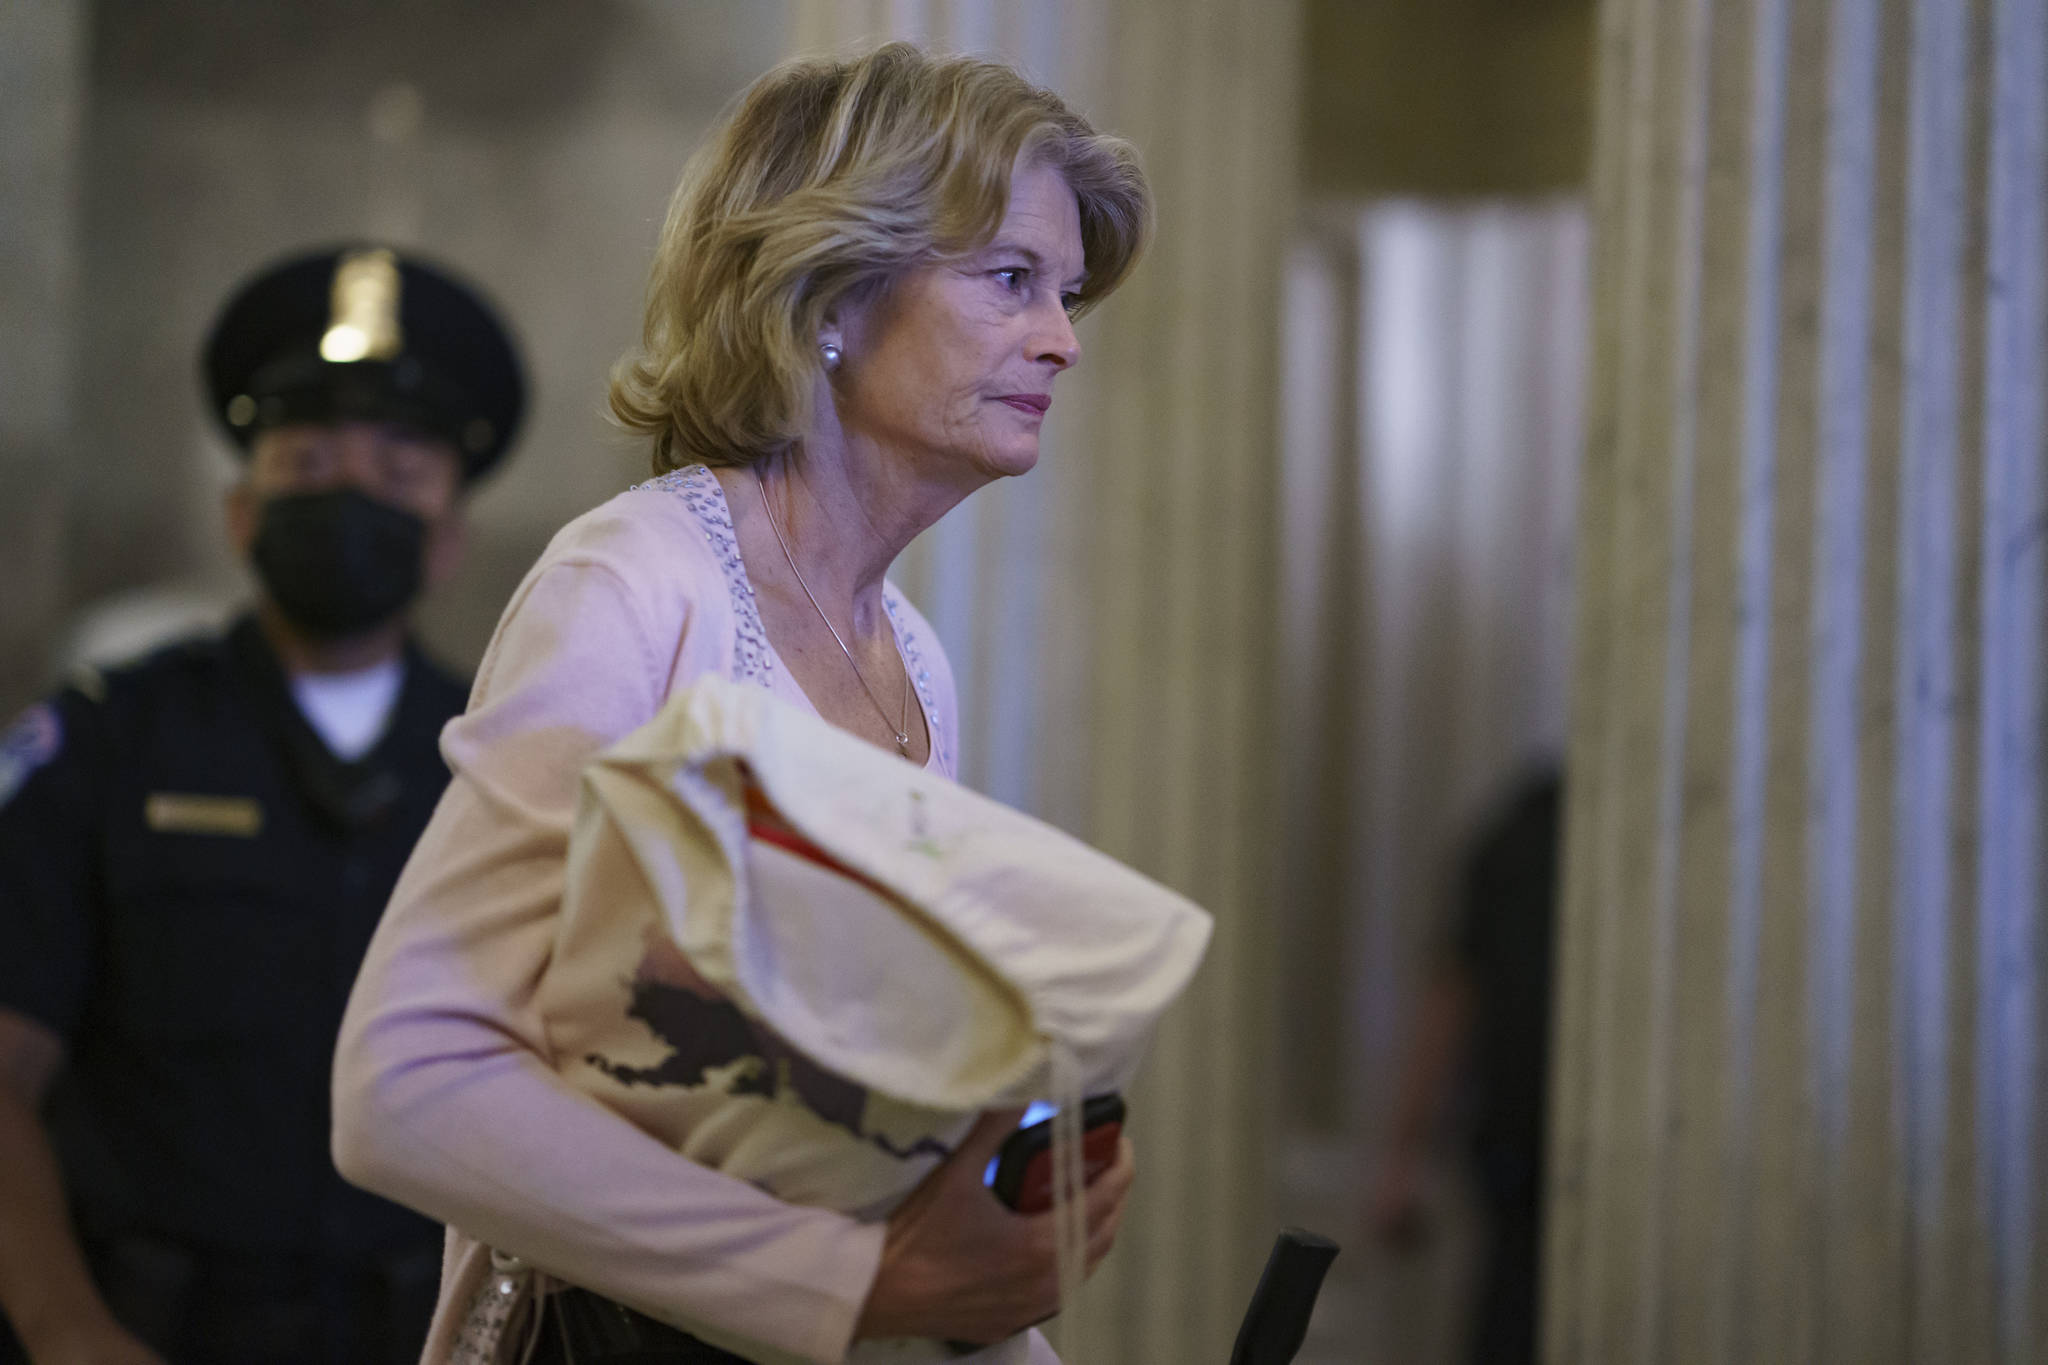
(952, 367)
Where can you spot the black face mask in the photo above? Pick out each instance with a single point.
(338, 563)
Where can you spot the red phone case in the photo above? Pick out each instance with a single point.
(1098, 1154)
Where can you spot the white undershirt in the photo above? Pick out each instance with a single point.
(350, 710)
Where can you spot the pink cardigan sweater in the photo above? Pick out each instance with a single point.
(445, 1094)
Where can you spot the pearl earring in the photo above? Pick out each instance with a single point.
(831, 354)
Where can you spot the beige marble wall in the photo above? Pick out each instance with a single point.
(168, 147)
(1113, 612)
(1801, 1110)
(1447, 98)
(42, 102)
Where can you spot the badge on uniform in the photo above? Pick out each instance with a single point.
(240, 817)
(33, 740)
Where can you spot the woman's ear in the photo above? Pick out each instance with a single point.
(831, 341)
(846, 319)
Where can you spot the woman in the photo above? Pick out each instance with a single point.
(859, 308)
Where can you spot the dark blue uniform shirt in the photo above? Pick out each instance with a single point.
(188, 881)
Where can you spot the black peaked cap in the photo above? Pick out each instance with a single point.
(454, 372)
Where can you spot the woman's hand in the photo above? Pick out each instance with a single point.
(958, 1265)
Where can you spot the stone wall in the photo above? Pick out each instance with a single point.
(530, 145)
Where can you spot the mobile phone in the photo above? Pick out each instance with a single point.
(1021, 1174)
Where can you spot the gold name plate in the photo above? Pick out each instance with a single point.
(185, 813)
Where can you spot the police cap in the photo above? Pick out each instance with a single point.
(365, 333)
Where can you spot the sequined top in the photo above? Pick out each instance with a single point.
(754, 658)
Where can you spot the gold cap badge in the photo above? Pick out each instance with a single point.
(362, 322)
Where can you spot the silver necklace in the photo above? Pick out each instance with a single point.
(901, 729)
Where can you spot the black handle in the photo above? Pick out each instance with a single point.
(1277, 1320)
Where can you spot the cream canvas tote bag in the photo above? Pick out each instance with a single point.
(807, 963)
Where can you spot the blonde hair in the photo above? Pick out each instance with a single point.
(827, 181)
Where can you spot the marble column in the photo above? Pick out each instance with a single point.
(1802, 1107)
(42, 97)
(1111, 616)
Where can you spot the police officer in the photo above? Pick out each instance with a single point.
(195, 848)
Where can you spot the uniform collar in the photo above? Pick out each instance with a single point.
(349, 796)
